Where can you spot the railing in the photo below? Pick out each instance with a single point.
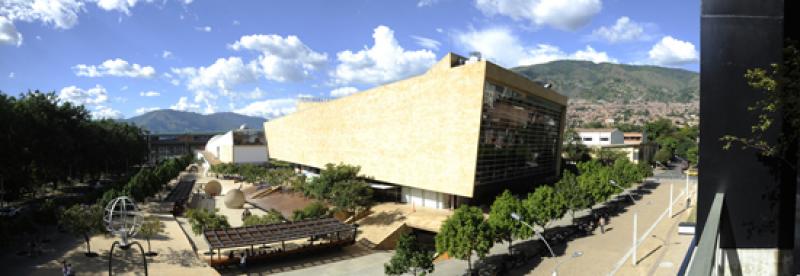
(705, 255)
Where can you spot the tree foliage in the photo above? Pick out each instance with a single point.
(409, 256)
(320, 187)
(542, 206)
(505, 228)
(272, 216)
(83, 221)
(779, 106)
(151, 227)
(574, 149)
(465, 232)
(572, 196)
(314, 210)
(202, 219)
(349, 195)
(48, 141)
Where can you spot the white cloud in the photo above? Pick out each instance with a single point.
(92, 96)
(114, 67)
(183, 104)
(282, 58)
(105, 112)
(425, 42)
(150, 93)
(269, 108)
(439, 30)
(501, 46)
(123, 88)
(62, 14)
(559, 14)
(123, 6)
(673, 52)
(11, 75)
(224, 74)
(385, 61)
(426, 3)
(8, 33)
(255, 94)
(624, 30)
(166, 54)
(206, 29)
(143, 110)
(236, 23)
(343, 91)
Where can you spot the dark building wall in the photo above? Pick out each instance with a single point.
(737, 35)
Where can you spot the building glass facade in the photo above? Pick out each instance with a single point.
(519, 136)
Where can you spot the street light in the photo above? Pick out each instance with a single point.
(574, 255)
(517, 217)
(614, 183)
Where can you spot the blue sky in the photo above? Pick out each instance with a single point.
(121, 58)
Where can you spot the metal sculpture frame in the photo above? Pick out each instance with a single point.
(128, 227)
(125, 247)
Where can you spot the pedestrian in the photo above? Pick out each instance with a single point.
(69, 270)
(688, 202)
(64, 268)
(602, 224)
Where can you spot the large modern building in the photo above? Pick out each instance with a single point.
(241, 145)
(170, 145)
(462, 129)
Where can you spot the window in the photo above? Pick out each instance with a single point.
(604, 139)
(587, 139)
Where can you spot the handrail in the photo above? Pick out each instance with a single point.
(705, 255)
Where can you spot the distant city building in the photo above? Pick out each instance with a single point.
(242, 145)
(633, 144)
(461, 131)
(163, 146)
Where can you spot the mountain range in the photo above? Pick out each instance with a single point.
(173, 121)
(616, 82)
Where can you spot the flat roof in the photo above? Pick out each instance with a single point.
(272, 233)
(181, 192)
(595, 129)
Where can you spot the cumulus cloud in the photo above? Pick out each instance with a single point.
(150, 93)
(206, 29)
(8, 33)
(143, 110)
(223, 75)
(426, 3)
(92, 96)
(269, 108)
(123, 6)
(673, 52)
(427, 43)
(343, 91)
(61, 14)
(624, 30)
(105, 112)
(166, 54)
(559, 14)
(501, 46)
(385, 61)
(116, 68)
(282, 58)
(183, 104)
(11, 75)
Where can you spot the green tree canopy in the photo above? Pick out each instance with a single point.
(503, 226)
(151, 227)
(314, 210)
(465, 232)
(663, 156)
(349, 195)
(542, 206)
(320, 187)
(409, 257)
(201, 220)
(84, 221)
(272, 216)
(573, 197)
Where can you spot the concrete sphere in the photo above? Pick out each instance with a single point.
(234, 199)
(213, 188)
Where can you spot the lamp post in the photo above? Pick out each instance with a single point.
(574, 255)
(614, 183)
(517, 217)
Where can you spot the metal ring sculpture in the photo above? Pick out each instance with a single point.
(123, 219)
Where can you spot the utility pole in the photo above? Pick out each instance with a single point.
(633, 259)
(670, 200)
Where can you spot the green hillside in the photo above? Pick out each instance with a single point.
(173, 121)
(614, 82)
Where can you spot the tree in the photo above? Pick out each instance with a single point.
(151, 227)
(349, 195)
(320, 187)
(314, 210)
(201, 220)
(691, 155)
(85, 221)
(573, 197)
(409, 256)
(272, 216)
(542, 206)
(504, 227)
(594, 181)
(663, 156)
(574, 149)
(465, 232)
(608, 156)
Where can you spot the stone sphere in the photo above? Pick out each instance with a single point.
(234, 199)
(213, 188)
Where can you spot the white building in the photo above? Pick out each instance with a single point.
(242, 145)
(600, 136)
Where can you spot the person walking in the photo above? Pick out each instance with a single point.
(602, 224)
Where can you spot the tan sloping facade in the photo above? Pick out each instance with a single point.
(420, 132)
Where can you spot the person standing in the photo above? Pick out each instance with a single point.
(602, 224)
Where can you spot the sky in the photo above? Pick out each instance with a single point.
(122, 58)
